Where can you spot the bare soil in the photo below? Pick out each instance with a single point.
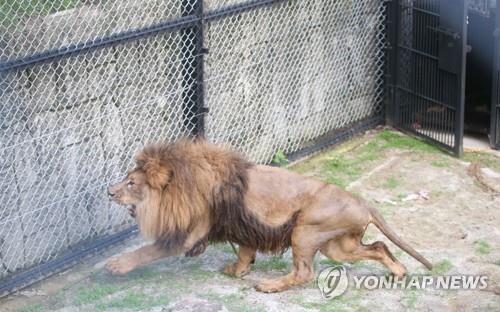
(427, 196)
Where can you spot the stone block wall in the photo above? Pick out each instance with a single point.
(281, 76)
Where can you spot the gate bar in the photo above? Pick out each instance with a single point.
(392, 22)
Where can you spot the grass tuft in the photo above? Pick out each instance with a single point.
(280, 159)
(482, 247)
(95, 293)
(273, 263)
(329, 261)
(393, 139)
(440, 164)
(391, 183)
(131, 301)
(442, 267)
(31, 308)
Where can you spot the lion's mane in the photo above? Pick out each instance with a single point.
(190, 180)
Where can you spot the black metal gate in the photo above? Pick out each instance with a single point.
(427, 41)
(495, 107)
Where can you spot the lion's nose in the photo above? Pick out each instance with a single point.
(110, 193)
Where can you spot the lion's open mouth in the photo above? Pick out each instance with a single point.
(132, 211)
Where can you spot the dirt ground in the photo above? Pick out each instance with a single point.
(447, 213)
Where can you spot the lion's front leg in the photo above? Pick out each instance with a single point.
(304, 247)
(246, 257)
(129, 261)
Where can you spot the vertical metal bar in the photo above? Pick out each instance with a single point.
(460, 112)
(495, 96)
(193, 53)
(201, 110)
(392, 23)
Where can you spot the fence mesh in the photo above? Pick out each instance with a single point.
(33, 26)
(279, 76)
(275, 78)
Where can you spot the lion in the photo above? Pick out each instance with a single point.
(186, 194)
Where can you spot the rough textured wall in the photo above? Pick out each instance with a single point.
(280, 76)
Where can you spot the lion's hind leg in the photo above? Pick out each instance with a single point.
(350, 248)
(246, 256)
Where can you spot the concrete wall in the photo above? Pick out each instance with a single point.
(281, 76)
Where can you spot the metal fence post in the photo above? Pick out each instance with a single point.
(391, 61)
(193, 52)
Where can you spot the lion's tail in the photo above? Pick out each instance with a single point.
(380, 223)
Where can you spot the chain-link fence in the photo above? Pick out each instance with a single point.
(84, 84)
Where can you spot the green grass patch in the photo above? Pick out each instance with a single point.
(92, 294)
(226, 248)
(410, 299)
(442, 267)
(318, 161)
(273, 263)
(201, 274)
(344, 169)
(391, 183)
(441, 164)
(497, 262)
(482, 247)
(329, 261)
(392, 139)
(280, 159)
(31, 308)
(132, 300)
(143, 275)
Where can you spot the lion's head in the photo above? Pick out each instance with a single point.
(132, 190)
(172, 185)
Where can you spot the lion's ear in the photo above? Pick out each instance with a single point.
(157, 174)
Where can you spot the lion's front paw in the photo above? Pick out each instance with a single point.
(120, 265)
(233, 269)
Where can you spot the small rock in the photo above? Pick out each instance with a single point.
(409, 197)
(388, 201)
(423, 194)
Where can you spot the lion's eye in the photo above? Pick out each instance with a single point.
(130, 183)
